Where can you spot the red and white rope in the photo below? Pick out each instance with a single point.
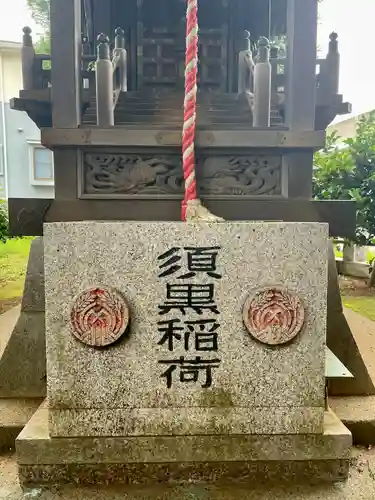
(192, 209)
(190, 104)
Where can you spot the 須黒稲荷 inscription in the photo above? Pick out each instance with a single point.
(189, 315)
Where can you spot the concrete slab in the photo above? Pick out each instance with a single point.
(14, 415)
(354, 344)
(348, 341)
(22, 355)
(22, 336)
(353, 269)
(364, 332)
(358, 414)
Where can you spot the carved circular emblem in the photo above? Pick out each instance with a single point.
(99, 316)
(274, 316)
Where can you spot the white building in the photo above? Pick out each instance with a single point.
(26, 167)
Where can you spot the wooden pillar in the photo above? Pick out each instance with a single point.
(330, 73)
(27, 59)
(301, 83)
(104, 84)
(262, 86)
(120, 51)
(297, 175)
(274, 55)
(66, 62)
(302, 17)
(245, 66)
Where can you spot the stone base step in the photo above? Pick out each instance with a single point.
(14, 415)
(358, 414)
(171, 460)
(361, 486)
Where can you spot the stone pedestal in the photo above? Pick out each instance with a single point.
(188, 392)
(219, 459)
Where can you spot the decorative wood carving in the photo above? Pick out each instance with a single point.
(274, 316)
(118, 174)
(240, 175)
(99, 316)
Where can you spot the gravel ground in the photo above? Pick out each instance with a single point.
(360, 486)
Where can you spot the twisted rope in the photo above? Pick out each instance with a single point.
(192, 209)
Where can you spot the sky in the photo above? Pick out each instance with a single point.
(14, 16)
(352, 19)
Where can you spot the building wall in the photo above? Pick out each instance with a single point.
(12, 73)
(345, 129)
(18, 136)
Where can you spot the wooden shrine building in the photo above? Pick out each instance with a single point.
(109, 102)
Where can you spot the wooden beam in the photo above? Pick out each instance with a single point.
(27, 215)
(297, 178)
(302, 17)
(45, 95)
(121, 136)
(66, 177)
(66, 63)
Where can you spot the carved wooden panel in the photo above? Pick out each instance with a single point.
(120, 174)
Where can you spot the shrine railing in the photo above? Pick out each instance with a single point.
(36, 68)
(262, 81)
(111, 77)
(328, 74)
(254, 80)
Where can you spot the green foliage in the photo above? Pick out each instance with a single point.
(43, 45)
(40, 11)
(4, 222)
(346, 171)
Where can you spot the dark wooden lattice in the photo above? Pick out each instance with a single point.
(161, 45)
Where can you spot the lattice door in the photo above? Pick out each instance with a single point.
(161, 43)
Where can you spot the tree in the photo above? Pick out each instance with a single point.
(40, 11)
(346, 171)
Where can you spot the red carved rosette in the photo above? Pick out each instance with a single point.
(274, 316)
(99, 316)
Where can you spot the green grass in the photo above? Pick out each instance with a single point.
(370, 255)
(13, 261)
(362, 305)
(338, 254)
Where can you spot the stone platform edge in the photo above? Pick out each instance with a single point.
(169, 459)
(358, 415)
(185, 421)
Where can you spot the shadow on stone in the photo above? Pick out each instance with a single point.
(22, 353)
